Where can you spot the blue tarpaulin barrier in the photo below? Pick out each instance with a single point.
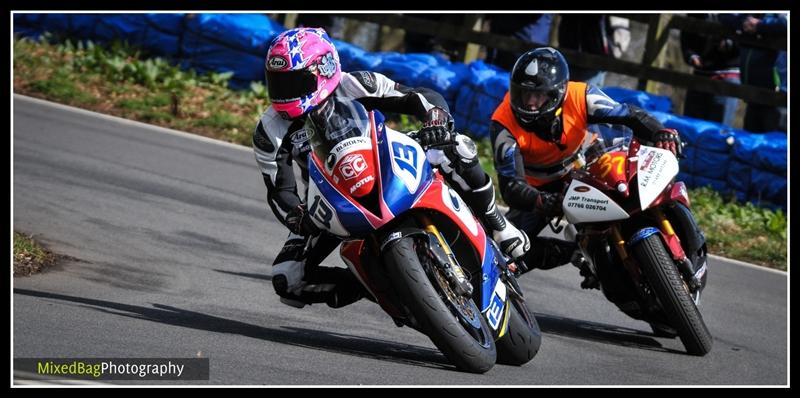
(687, 163)
(767, 186)
(156, 33)
(477, 99)
(646, 101)
(446, 80)
(229, 43)
(710, 164)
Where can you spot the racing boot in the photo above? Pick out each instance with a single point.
(548, 253)
(336, 287)
(299, 280)
(288, 271)
(512, 241)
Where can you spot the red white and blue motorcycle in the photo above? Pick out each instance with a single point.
(413, 242)
(634, 227)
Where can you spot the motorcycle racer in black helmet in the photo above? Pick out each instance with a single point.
(537, 132)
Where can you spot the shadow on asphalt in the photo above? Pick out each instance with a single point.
(314, 339)
(603, 333)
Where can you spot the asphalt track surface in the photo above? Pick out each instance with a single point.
(172, 243)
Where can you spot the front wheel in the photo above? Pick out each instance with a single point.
(454, 324)
(673, 294)
(521, 341)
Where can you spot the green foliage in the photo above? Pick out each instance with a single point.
(258, 89)
(219, 119)
(408, 123)
(62, 87)
(219, 79)
(29, 256)
(742, 231)
(119, 62)
(485, 155)
(146, 103)
(24, 245)
(56, 67)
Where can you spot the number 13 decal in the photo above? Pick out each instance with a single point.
(321, 212)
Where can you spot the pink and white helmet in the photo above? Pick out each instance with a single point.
(302, 69)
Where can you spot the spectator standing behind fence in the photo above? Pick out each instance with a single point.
(716, 58)
(532, 28)
(593, 34)
(757, 65)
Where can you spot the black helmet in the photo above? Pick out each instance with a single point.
(537, 89)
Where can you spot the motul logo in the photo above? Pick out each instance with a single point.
(352, 166)
(361, 183)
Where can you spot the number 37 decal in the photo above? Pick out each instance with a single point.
(607, 162)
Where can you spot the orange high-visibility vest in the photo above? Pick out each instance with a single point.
(540, 155)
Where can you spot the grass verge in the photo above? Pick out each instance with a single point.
(30, 257)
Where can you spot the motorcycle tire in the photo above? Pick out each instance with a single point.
(666, 282)
(521, 341)
(434, 316)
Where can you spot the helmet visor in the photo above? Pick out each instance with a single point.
(529, 101)
(291, 85)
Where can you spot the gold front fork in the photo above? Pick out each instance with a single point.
(428, 225)
(666, 226)
(619, 243)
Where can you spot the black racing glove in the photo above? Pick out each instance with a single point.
(299, 221)
(549, 204)
(670, 140)
(437, 128)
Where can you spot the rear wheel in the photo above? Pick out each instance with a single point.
(523, 337)
(453, 323)
(673, 294)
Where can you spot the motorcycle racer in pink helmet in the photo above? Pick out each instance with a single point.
(302, 69)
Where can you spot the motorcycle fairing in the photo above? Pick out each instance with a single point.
(656, 168)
